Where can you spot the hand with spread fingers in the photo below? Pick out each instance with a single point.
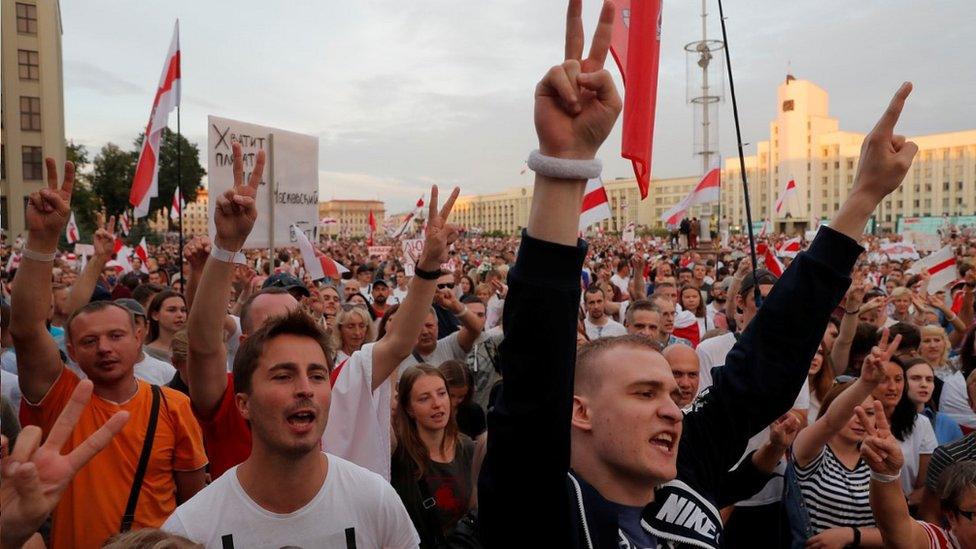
(104, 237)
(236, 210)
(439, 234)
(880, 449)
(872, 371)
(35, 474)
(48, 209)
(576, 103)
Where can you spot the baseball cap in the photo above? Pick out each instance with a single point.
(132, 305)
(760, 276)
(379, 281)
(286, 281)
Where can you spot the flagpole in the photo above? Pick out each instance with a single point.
(742, 159)
(179, 186)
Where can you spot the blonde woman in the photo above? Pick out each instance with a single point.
(934, 348)
(354, 328)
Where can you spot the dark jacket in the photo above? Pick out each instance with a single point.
(527, 498)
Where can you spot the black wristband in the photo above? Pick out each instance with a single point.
(857, 537)
(427, 275)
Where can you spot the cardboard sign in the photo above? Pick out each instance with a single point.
(84, 249)
(411, 249)
(296, 178)
(381, 252)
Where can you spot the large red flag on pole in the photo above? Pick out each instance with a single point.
(371, 229)
(636, 47)
(145, 181)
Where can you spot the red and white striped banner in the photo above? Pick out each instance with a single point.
(941, 265)
(596, 205)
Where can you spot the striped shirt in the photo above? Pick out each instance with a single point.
(963, 449)
(938, 537)
(835, 496)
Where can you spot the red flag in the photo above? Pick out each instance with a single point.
(144, 183)
(142, 250)
(118, 245)
(769, 258)
(371, 230)
(636, 46)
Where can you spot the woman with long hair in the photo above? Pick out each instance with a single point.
(820, 380)
(167, 315)
(432, 463)
(460, 385)
(354, 328)
(467, 286)
(920, 386)
(690, 300)
(912, 429)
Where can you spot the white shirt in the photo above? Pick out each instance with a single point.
(351, 501)
(154, 371)
(398, 296)
(611, 329)
(954, 401)
(711, 353)
(447, 348)
(922, 441)
(233, 343)
(359, 417)
(493, 316)
(622, 283)
(10, 389)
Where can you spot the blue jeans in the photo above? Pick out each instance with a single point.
(796, 509)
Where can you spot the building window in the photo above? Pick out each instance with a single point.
(3, 213)
(945, 185)
(33, 163)
(3, 161)
(958, 185)
(26, 18)
(28, 65)
(788, 105)
(30, 114)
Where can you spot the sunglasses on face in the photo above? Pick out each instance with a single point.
(447, 286)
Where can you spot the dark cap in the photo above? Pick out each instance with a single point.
(363, 269)
(760, 276)
(286, 281)
(132, 305)
(381, 282)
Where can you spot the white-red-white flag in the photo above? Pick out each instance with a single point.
(142, 251)
(770, 261)
(788, 191)
(767, 227)
(124, 223)
(941, 265)
(707, 190)
(145, 181)
(899, 251)
(316, 265)
(789, 248)
(596, 205)
(72, 230)
(177, 207)
(407, 221)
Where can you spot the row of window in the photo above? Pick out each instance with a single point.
(32, 162)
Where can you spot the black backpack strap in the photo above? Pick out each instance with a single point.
(429, 505)
(130, 507)
(417, 357)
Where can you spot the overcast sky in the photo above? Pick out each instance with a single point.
(405, 94)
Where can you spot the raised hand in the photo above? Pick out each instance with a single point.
(885, 156)
(576, 103)
(196, 252)
(784, 430)
(880, 450)
(35, 474)
(447, 300)
(104, 237)
(872, 371)
(236, 209)
(439, 234)
(48, 209)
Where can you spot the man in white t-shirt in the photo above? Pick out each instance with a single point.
(433, 351)
(622, 277)
(288, 492)
(597, 323)
(148, 368)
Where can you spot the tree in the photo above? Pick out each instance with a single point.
(190, 168)
(112, 177)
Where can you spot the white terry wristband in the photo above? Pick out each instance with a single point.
(564, 168)
(881, 477)
(221, 254)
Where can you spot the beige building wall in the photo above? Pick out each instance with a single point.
(194, 217)
(32, 100)
(353, 216)
(807, 145)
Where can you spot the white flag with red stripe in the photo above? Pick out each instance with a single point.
(596, 205)
(707, 190)
(899, 251)
(789, 248)
(772, 264)
(407, 222)
(767, 227)
(788, 191)
(145, 181)
(941, 265)
(72, 230)
(124, 223)
(142, 252)
(317, 266)
(177, 207)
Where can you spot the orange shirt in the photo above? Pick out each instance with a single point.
(91, 509)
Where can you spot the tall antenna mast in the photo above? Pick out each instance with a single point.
(704, 92)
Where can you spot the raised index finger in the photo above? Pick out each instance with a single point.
(880, 419)
(886, 125)
(602, 36)
(574, 30)
(432, 207)
(238, 164)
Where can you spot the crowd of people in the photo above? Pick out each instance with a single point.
(535, 390)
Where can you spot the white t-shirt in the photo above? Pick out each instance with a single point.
(496, 307)
(711, 353)
(359, 418)
(954, 401)
(351, 502)
(233, 343)
(154, 371)
(398, 296)
(10, 389)
(611, 329)
(922, 441)
(622, 283)
(447, 348)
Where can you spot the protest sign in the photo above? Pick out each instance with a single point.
(411, 253)
(381, 252)
(296, 183)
